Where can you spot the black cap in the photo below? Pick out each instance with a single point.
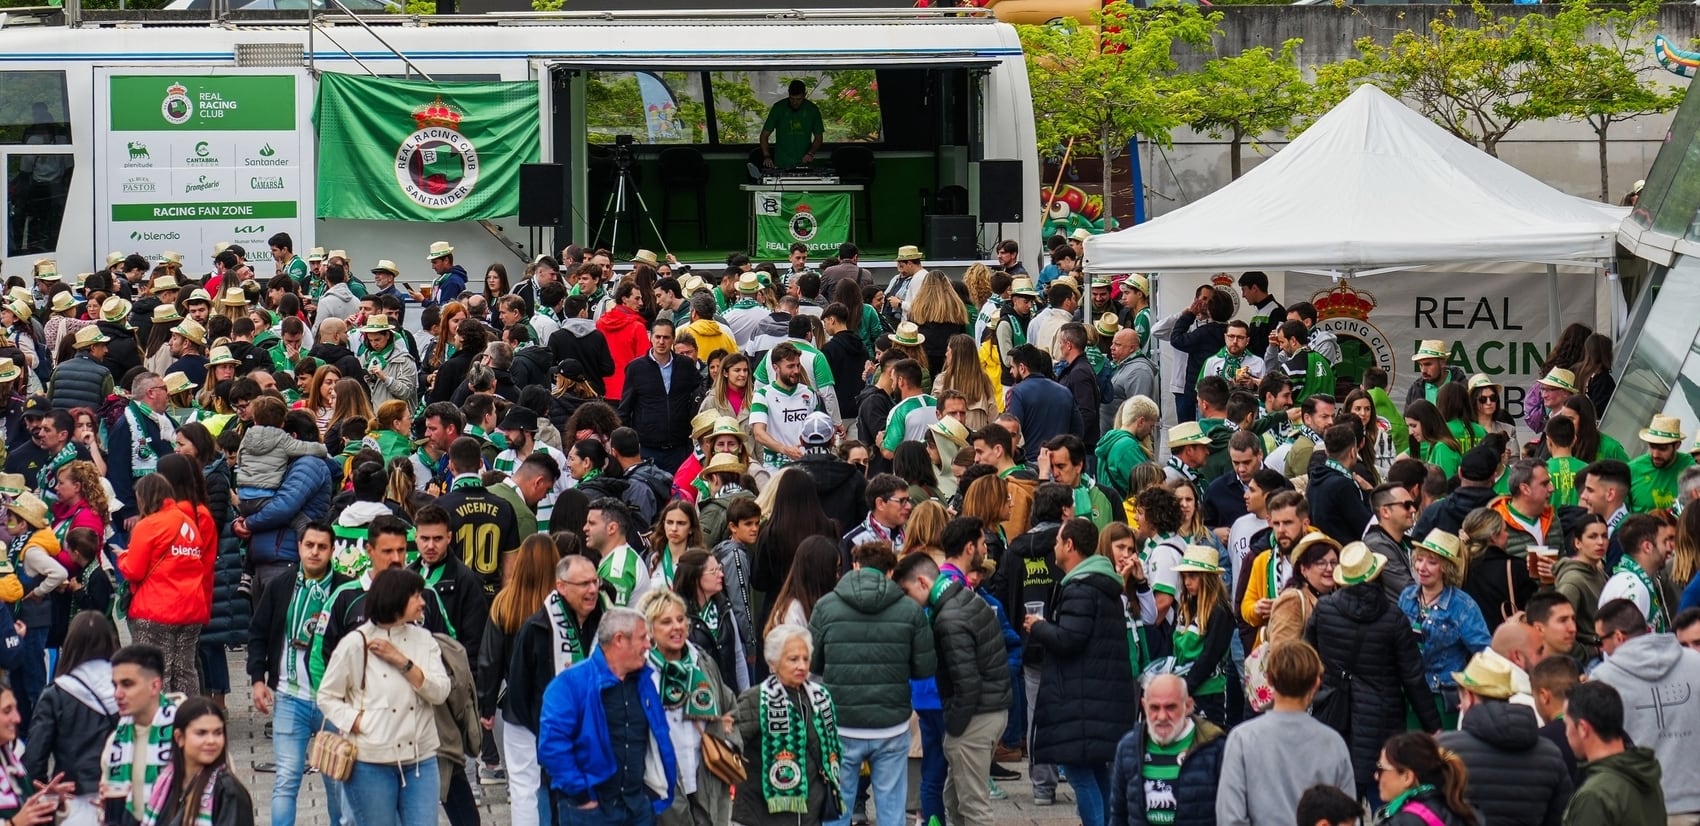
(37, 406)
(570, 368)
(519, 418)
(1480, 464)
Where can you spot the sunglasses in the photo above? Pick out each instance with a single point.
(1487, 397)
(1410, 506)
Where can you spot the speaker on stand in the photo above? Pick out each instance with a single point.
(542, 199)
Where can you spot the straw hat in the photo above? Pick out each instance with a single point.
(1444, 544)
(1486, 676)
(234, 297)
(343, 254)
(30, 508)
(951, 429)
(315, 255)
(749, 283)
(1108, 324)
(165, 284)
(90, 336)
(62, 301)
(1187, 433)
(115, 309)
(1199, 559)
(178, 382)
(645, 257)
(21, 309)
(115, 258)
(727, 426)
(1559, 378)
(702, 423)
(723, 463)
(175, 259)
(166, 314)
(439, 249)
(12, 484)
(221, 355)
(908, 252)
(1135, 281)
(1080, 234)
(1665, 430)
(691, 285)
(1310, 538)
(908, 335)
(9, 370)
(46, 269)
(1431, 348)
(191, 330)
(198, 295)
(1358, 564)
(379, 323)
(1480, 381)
(1023, 286)
(387, 266)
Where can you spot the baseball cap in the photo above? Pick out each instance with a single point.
(819, 429)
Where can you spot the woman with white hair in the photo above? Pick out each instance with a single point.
(790, 734)
(697, 702)
(1128, 444)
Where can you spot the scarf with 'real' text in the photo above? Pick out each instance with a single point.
(785, 745)
(118, 764)
(165, 787)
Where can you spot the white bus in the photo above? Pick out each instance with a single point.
(915, 102)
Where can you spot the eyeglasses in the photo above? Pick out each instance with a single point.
(583, 583)
(900, 501)
(1380, 768)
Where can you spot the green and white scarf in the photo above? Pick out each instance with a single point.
(1656, 617)
(46, 481)
(163, 790)
(1230, 365)
(143, 460)
(685, 683)
(785, 745)
(118, 765)
(569, 648)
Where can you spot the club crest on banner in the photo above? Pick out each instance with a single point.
(803, 223)
(177, 109)
(1224, 284)
(437, 166)
(1345, 312)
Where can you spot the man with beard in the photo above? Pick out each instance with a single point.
(330, 347)
(1395, 512)
(1289, 527)
(1170, 763)
(1654, 474)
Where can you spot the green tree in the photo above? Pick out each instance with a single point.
(1601, 71)
(1243, 96)
(1100, 89)
(1477, 81)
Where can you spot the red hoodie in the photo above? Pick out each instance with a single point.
(628, 338)
(170, 565)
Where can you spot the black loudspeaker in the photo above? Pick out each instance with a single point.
(1000, 192)
(542, 194)
(952, 238)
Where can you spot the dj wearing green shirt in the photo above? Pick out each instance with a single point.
(797, 130)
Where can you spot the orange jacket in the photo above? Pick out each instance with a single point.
(170, 565)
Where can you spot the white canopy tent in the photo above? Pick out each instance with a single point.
(1371, 187)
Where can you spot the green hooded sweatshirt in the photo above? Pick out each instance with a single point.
(1118, 453)
(1094, 564)
(1622, 790)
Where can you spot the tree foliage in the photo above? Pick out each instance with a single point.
(1244, 96)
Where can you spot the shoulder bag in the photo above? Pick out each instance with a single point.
(331, 753)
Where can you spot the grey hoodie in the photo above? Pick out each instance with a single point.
(1660, 684)
(265, 456)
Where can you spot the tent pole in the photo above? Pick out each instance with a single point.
(1552, 303)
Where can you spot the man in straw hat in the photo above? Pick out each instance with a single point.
(1188, 450)
(451, 277)
(899, 293)
(34, 565)
(83, 380)
(390, 370)
(1432, 370)
(189, 344)
(1516, 776)
(123, 351)
(1655, 474)
(746, 314)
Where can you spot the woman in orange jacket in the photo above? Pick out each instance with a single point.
(169, 566)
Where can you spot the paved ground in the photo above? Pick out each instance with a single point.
(248, 745)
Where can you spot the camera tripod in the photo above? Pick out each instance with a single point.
(618, 209)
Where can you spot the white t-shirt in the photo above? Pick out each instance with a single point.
(783, 413)
(1239, 542)
(1161, 557)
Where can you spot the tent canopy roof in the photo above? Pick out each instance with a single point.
(1372, 185)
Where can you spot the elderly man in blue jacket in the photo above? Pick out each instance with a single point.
(603, 742)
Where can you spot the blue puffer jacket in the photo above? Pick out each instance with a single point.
(305, 495)
(1452, 632)
(572, 743)
(1195, 788)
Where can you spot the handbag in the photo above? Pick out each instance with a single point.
(721, 759)
(331, 753)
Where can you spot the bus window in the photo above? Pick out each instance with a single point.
(652, 107)
(33, 108)
(848, 100)
(38, 184)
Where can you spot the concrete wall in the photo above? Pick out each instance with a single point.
(1561, 153)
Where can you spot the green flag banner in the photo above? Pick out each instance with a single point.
(819, 219)
(411, 150)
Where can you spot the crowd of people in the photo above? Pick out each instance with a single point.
(761, 543)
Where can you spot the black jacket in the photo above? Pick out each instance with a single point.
(462, 591)
(531, 367)
(266, 630)
(1199, 344)
(339, 357)
(123, 352)
(495, 653)
(724, 646)
(873, 408)
(1435, 802)
(1516, 777)
(449, 377)
(1194, 789)
(846, 356)
(1082, 383)
(1358, 631)
(661, 416)
(1500, 585)
(973, 675)
(579, 339)
(1337, 506)
(936, 341)
(1087, 695)
(1448, 514)
(533, 666)
(1418, 390)
(69, 726)
(1224, 501)
(843, 489)
(1028, 573)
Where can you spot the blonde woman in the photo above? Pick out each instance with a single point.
(1129, 444)
(1447, 620)
(1498, 582)
(924, 533)
(978, 280)
(940, 314)
(698, 704)
(964, 373)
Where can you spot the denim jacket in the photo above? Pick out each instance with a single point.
(1452, 632)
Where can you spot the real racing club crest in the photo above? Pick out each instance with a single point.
(437, 166)
(1344, 312)
(1224, 284)
(177, 109)
(804, 225)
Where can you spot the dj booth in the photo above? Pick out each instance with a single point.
(809, 206)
